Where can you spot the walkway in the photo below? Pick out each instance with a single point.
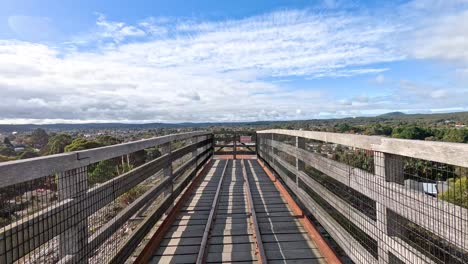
(236, 214)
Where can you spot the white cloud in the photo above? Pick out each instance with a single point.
(117, 31)
(431, 96)
(197, 71)
(443, 38)
(379, 79)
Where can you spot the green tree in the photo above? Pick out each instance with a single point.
(82, 144)
(152, 153)
(104, 171)
(411, 132)
(6, 150)
(107, 140)
(457, 192)
(39, 138)
(378, 129)
(7, 142)
(456, 135)
(57, 144)
(343, 127)
(27, 154)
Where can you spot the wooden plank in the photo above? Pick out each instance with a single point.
(201, 257)
(253, 216)
(156, 239)
(398, 198)
(402, 250)
(105, 153)
(237, 153)
(39, 228)
(239, 256)
(444, 152)
(313, 234)
(352, 247)
(73, 184)
(32, 230)
(117, 221)
(13, 172)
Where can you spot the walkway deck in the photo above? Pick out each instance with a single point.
(231, 234)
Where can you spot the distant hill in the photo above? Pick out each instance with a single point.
(102, 126)
(393, 117)
(392, 114)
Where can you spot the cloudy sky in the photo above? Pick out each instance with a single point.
(243, 60)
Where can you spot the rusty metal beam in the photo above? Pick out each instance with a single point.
(260, 251)
(322, 245)
(155, 241)
(214, 206)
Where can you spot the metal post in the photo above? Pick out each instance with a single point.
(195, 152)
(167, 171)
(272, 151)
(212, 144)
(391, 168)
(73, 184)
(300, 165)
(234, 145)
(257, 144)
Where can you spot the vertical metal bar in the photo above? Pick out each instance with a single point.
(234, 139)
(167, 171)
(257, 144)
(257, 235)
(214, 206)
(196, 151)
(391, 168)
(300, 165)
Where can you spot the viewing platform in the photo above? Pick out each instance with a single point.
(271, 196)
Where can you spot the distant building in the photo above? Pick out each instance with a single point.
(19, 149)
(428, 188)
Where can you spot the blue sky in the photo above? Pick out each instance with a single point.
(177, 61)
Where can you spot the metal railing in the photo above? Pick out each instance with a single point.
(381, 200)
(97, 205)
(235, 143)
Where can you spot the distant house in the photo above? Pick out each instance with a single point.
(19, 149)
(429, 188)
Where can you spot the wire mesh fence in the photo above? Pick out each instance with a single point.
(407, 204)
(71, 209)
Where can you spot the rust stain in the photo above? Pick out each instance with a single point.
(224, 157)
(322, 244)
(155, 241)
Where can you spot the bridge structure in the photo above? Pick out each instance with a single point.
(271, 196)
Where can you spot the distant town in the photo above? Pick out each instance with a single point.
(28, 141)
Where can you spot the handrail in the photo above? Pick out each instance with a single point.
(12, 172)
(444, 152)
(63, 222)
(235, 143)
(373, 213)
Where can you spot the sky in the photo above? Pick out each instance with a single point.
(141, 61)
